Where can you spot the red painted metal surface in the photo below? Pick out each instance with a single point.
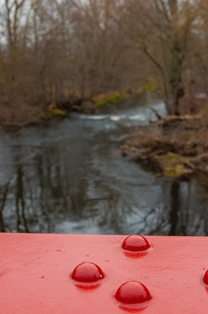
(170, 277)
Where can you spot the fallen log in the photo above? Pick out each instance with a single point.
(173, 118)
(156, 113)
(200, 158)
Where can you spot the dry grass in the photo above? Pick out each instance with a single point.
(16, 117)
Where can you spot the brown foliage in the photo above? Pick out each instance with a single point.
(65, 51)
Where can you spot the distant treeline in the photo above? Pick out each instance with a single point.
(63, 51)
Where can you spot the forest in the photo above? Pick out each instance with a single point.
(59, 55)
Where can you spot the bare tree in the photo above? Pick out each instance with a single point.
(162, 30)
(61, 52)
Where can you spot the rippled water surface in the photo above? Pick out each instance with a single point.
(68, 177)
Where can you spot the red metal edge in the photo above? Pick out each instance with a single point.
(35, 274)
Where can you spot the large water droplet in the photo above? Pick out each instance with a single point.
(205, 279)
(87, 272)
(135, 243)
(132, 292)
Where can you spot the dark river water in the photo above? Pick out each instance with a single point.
(68, 177)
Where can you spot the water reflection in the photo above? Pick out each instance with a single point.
(175, 206)
(3, 201)
(70, 178)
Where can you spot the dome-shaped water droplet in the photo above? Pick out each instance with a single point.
(135, 243)
(87, 272)
(205, 279)
(132, 292)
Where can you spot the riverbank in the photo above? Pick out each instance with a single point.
(174, 146)
(16, 117)
(12, 119)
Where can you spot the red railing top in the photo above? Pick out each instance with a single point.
(42, 273)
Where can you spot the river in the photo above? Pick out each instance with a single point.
(69, 177)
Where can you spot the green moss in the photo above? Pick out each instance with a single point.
(173, 165)
(149, 87)
(54, 113)
(110, 100)
(174, 172)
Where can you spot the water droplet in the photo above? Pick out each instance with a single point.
(205, 279)
(132, 292)
(87, 272)
(135, 243)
